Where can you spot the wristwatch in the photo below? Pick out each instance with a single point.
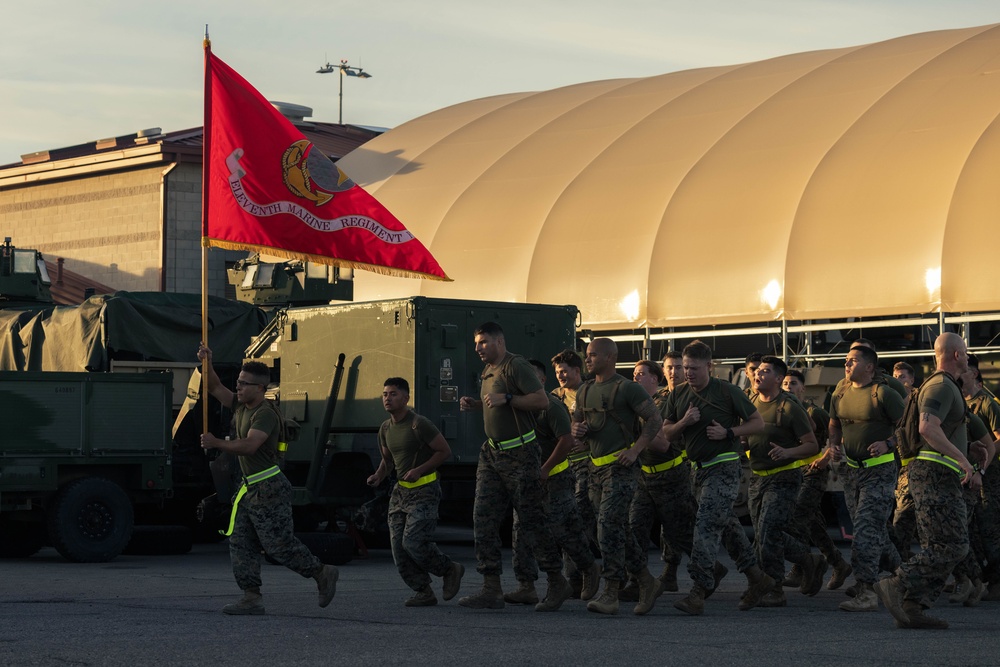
(509, 398)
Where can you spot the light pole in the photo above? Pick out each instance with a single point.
(345, 70)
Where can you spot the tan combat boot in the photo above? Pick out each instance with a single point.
(865, 600)
(525, 594)
(630, 591)
(817, 569)
(668, 578)
(917, 620)
(794, 577)
(558, 592)
(841, 571)
(963, 587)
(694, 603)
(608, 602)
(591, 582)
(452, 581)
(326, 582)
(490, 597)
(649, 590)
(774, 598)
(423, 598)
(758, 584)
(251, 604)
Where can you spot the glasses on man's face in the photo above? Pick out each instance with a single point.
(241, 383)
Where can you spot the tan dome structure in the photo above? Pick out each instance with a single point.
(859, 181)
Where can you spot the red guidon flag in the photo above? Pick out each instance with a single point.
(268, 189)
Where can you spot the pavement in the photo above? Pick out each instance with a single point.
(165, 610)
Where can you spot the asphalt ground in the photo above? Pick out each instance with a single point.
(165, 610)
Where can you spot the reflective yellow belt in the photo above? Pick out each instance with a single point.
(426, 479)
(872, 462)
(721, 458)
(812, 459)
(559, 468)
(513, 443)
(610, 458)
(905, 462)
(946, 461)
(580, 456)
(773, 471)
(660, 467)
(247, 481)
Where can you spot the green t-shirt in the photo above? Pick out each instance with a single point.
(785, 422)
(262, 418)
(552, 423)
(513, 375)
(722, 402)
(986, 408)
(880, 377)
(649, 457)
(864, 420)
(940, 396)
(612, 424)
(407, 441)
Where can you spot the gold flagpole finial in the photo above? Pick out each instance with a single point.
(206, 43)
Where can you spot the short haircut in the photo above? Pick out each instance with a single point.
(868, 355)
(259, 370)
(902, 366)
(491, 329)
(778, 363)
(753, 357)
(672, 354)
(398, 383)
(863, 342)
(653, 367)
(568, 357)
(797, 374)
(539, 366)
(698, 350)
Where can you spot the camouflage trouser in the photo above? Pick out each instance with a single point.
(562, 521)
(413, 516)
(808, 520)
(969, 565)
(715, 522)
(941, 527)
(667, 496)
(588, 517)
(611, 489)
(988, 523)
(772, 503)
(870, 498)
(904, 520)
(503, 478)
(264, 523)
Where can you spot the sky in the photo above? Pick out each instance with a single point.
(76, 72)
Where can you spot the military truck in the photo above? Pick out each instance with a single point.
(79, 451)
(333, 417)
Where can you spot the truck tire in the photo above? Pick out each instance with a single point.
(90, 520)
(159, 541)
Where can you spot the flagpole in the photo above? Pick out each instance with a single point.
(206, 163)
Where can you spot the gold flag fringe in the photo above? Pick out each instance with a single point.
(207, 242)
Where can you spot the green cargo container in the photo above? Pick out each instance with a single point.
(428, 341)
